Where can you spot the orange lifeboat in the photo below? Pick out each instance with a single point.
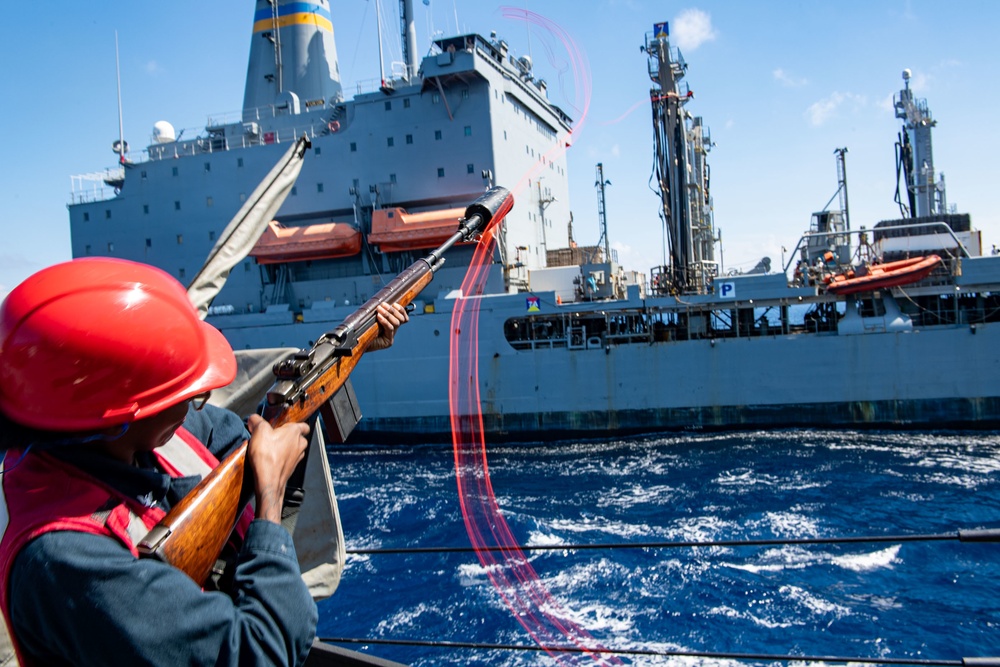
(297, 244)
(393, 229)
(880, 276)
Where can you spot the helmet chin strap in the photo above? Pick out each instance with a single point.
(3, 459)
(81, 440)
(59, 443)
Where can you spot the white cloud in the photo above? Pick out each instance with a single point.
(919, 82)
(153, 67)
(691, 29)
(635, 259)
(820, 112)
(786, 79)
(887, 103)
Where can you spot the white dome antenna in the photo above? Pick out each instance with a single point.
(163, 132)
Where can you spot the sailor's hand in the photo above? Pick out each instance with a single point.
(273, 454)
(390, 317)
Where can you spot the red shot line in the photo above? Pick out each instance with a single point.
(508, 569)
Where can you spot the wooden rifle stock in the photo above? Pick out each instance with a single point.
(191, 536)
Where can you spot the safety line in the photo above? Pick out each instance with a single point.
(964, 662)
(987, 535)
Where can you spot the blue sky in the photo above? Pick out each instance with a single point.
(781, 84)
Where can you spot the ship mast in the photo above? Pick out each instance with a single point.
(915, 156)
(681, 143)
(602, 217)
(381, 58)
(409, 35)
(120, 147)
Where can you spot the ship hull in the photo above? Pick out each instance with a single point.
(939, 376)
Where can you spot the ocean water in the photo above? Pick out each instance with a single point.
(925, 600)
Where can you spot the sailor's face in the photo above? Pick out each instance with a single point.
(155, 431)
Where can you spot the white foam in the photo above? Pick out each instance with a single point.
(870, 561)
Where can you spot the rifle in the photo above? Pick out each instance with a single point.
(191, 536)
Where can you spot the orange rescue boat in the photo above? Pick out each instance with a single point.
(297, 244)
(880, 276)
(393, 229)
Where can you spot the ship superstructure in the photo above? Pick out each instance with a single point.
(425, 141)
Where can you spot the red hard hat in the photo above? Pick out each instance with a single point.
(98, 342)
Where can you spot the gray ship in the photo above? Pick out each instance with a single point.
(893, 325)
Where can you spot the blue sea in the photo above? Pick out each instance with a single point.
(905, 599)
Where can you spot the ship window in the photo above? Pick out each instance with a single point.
(107, 214)
(211, 235)
(468, 130)
(239, 162)
(177, 206)
(388, 106)
(440, 172)
(86, 217)
(208, 167)
(406, 103)
(319, 187)
(505, 135)
(357, 184)
(149, 243)
(143, 174)
(465, 93)
(180, 239)
(145, 209)
(469, 168)
(437, 135)
(295, 190)
(354, 147)
(409, 138)
(86, 249)
(111, 246)
(246, 265)
(173, 171)
(390, 142)
(392, 178)
(435, 98)
(316, 151)
(208, 202)
(180, 273)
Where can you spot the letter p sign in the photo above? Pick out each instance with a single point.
(727, 290)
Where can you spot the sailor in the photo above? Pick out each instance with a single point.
(105, 370)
